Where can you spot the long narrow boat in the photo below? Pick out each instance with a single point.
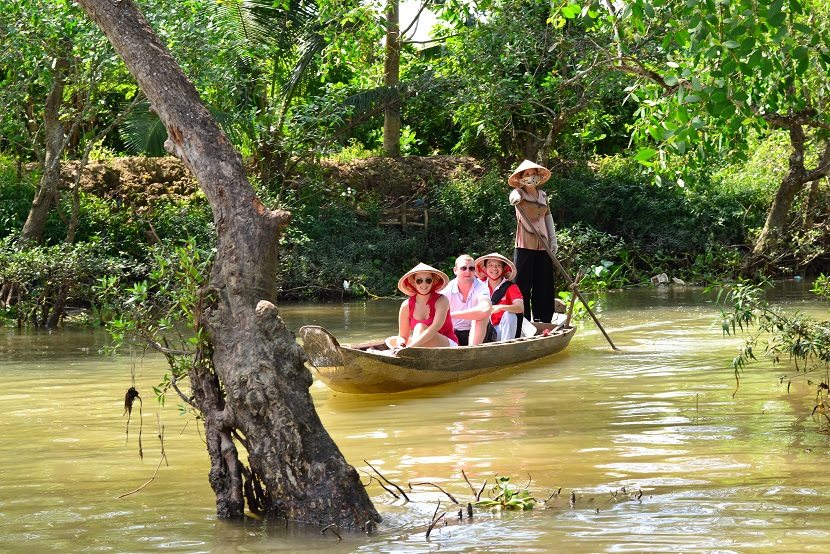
(371, 368)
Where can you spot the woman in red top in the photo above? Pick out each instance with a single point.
(508, 303)
(424, 318)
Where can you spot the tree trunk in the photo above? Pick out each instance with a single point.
(793, 182)
(810, 205)
(391, 78)
(777, 216)
(55, 141)
(57, 309)
(253, 386)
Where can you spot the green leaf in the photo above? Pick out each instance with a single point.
(571, 11)
(801, 56)
(645, 154)
(775, 8)
(776, 21)
(803, 28)
(731, 44)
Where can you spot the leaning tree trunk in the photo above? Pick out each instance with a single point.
(47, 189)
(777, 216)
(810, 205)
(391, 78)
(795, 180)
(254, 387)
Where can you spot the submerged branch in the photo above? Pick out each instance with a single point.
(451, 497)
(399, 489)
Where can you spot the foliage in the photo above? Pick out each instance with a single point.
(584, 249)
(579, 313)
(797, 337)
(709, 76)
(613, 212)
(34, 39)
(162, 311)
(16, 196)
(519, 80)
(504, 496)
(334, 237)
(471, 216)
(714, 71)
(41, 275)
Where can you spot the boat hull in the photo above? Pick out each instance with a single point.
(355, 370)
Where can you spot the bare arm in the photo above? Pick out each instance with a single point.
(403, 325)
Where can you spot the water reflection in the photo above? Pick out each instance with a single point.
(716, 473)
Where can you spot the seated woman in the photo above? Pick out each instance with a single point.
(508, 304)
(424, 318)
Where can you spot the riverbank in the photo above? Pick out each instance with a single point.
(358, 224)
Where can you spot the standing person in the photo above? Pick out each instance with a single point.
(506, 297)
(469, 304)
(424, 318)
(533, 264)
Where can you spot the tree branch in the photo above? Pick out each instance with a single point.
(823, 166)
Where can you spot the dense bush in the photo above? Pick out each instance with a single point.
(618, 199)
(614, 224)
(39, 282)
(471, 216)
(335, 237)
(16, 196)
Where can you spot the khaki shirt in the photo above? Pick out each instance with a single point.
(536, 211)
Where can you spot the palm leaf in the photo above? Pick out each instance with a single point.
(142, 132)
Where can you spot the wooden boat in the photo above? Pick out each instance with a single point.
(371, 368)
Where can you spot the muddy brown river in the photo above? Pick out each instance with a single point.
(650, 442)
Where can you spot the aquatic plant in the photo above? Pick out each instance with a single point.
(797, 337)
(504, 496)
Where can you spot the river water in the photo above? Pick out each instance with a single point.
(657, 452)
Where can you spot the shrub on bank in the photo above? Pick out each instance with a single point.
(40, 282)
(613, 223)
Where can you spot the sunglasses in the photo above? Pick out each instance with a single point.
(467, 268)
(428, 281)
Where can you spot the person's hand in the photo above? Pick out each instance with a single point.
(515, 197)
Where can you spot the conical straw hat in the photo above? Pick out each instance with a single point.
(440, 279)
(544, 174)
(509, 266)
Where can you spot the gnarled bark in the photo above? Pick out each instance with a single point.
(255, 386)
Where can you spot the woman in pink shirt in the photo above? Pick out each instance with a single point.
(424, 318)
(508, 303)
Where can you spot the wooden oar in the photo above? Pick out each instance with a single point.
(566, 276)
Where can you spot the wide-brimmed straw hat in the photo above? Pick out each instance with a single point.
(439, 279)
(509, 267)
(544, 174)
